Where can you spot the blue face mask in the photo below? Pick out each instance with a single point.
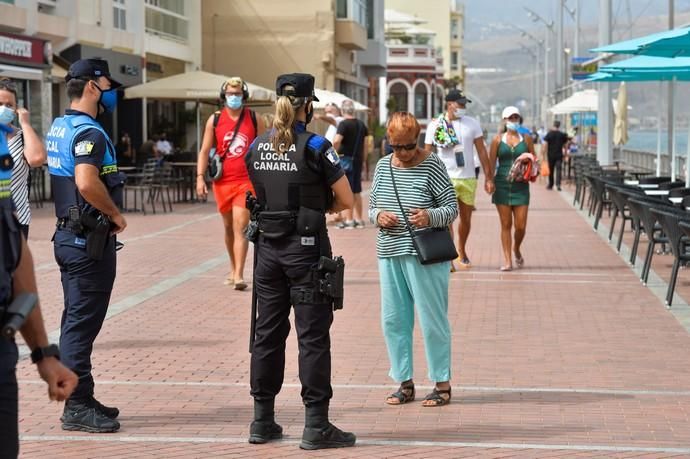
(233, 102)
(108, 99)
(6, 115)
(512, 126)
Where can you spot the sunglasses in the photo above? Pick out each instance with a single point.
(408, 147)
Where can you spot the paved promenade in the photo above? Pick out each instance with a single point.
(568, 357)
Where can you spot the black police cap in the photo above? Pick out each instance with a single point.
(455, 95)
(303, 85)
(91, 68)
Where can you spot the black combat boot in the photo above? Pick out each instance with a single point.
(319, 433)
(84, 416)
(264, 427)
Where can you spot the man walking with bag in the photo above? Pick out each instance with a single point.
(350, 144)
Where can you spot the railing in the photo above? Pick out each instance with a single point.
(647, 160)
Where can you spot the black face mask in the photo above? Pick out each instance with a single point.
(310, 113)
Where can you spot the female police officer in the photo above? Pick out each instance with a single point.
(297, 178)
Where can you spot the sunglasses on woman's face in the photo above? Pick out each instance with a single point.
(408, 147)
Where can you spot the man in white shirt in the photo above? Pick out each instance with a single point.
(457, 137)
(163, 145)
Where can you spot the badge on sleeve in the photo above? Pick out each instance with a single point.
(83, 148)
(332, 156)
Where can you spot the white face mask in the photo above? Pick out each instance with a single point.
(460, 112)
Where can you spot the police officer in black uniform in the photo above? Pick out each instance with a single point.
(17, 277)
(87, 188)
(297, 178)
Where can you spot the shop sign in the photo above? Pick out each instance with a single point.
(23, 50)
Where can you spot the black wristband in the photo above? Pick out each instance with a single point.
(40, 353)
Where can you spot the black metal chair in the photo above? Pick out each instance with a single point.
(144, 187)
(637, 218)
(620, 206)
(652, 230)
(670, 220)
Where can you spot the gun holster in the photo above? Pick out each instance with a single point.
(97, 228)
(327, 284)
(310, 222)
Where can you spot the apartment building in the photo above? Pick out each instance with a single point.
(141, 39)
(447, 19)
(340, 42)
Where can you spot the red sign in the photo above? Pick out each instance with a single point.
(18, 49)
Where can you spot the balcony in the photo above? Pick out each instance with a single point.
(12, 17)
(350, 35)
(373, 60)
(52, 27)
(412, 55)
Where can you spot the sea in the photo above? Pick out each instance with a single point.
(645, 140)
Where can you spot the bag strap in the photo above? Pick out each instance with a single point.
(234, 132)
(252, 113)
(397, 196)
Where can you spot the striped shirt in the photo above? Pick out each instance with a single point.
(20, 179)
(424, 186)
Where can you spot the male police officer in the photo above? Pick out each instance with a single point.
(17, 277)
(87, 188)
(297, 178)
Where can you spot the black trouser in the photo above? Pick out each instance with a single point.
(9, 430)
(284, 264)
(555, 168)
(86, 285)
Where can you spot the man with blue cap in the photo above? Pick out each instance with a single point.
(87, 189)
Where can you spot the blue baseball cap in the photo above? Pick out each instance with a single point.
(91, 68)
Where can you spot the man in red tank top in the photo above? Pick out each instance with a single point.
(232, 131)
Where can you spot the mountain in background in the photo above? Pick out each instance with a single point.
(500, 72)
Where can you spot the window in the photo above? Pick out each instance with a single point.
(355, 10)
(454, 29)
(119, 14)
(398, 93)
(341, 9)
(454, 60)
(166, 18)
(370, 19)
(420, 105)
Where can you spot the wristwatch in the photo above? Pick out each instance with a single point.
(40, 353)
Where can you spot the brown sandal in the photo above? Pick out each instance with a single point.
(404, 394)
(437, 397)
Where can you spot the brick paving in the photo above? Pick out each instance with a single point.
(569, 357)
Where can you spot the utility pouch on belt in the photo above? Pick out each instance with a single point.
(278, 224)
(97, 228)
(309, 221)
(331, 277)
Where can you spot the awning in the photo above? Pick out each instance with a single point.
(58, 73)
(331, 97)
(670, 43)
(194, 86)
(582, 101)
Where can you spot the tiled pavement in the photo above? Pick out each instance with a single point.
(569, 357)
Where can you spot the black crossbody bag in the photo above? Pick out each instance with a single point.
(433, 245)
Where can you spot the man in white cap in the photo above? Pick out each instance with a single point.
(456, 137)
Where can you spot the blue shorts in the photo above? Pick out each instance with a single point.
(354, 176)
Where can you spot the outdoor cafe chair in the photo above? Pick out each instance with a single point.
(162, 182)
(654, 232)
(637, 218)
(620, 206)
(144, 187)
(670, 220)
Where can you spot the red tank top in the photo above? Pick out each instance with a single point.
(235, 149)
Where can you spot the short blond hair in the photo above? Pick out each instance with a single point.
(234, 82)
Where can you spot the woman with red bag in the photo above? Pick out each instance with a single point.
(512, 196)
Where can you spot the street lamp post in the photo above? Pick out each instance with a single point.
(547, 48)
(533, 82)
(539, 44)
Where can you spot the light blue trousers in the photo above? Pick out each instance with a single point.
(407, 285)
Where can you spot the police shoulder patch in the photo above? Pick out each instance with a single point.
(332, 156)
(83, 148)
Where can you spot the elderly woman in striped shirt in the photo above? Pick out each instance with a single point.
(427, 196)
(24, 145)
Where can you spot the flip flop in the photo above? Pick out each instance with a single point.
(520, 262)
(506, 268)
(229, 281)
(240, 284)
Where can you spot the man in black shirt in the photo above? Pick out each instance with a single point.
(554, 142)
(350, 144)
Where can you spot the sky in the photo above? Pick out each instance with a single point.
(489, 17)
